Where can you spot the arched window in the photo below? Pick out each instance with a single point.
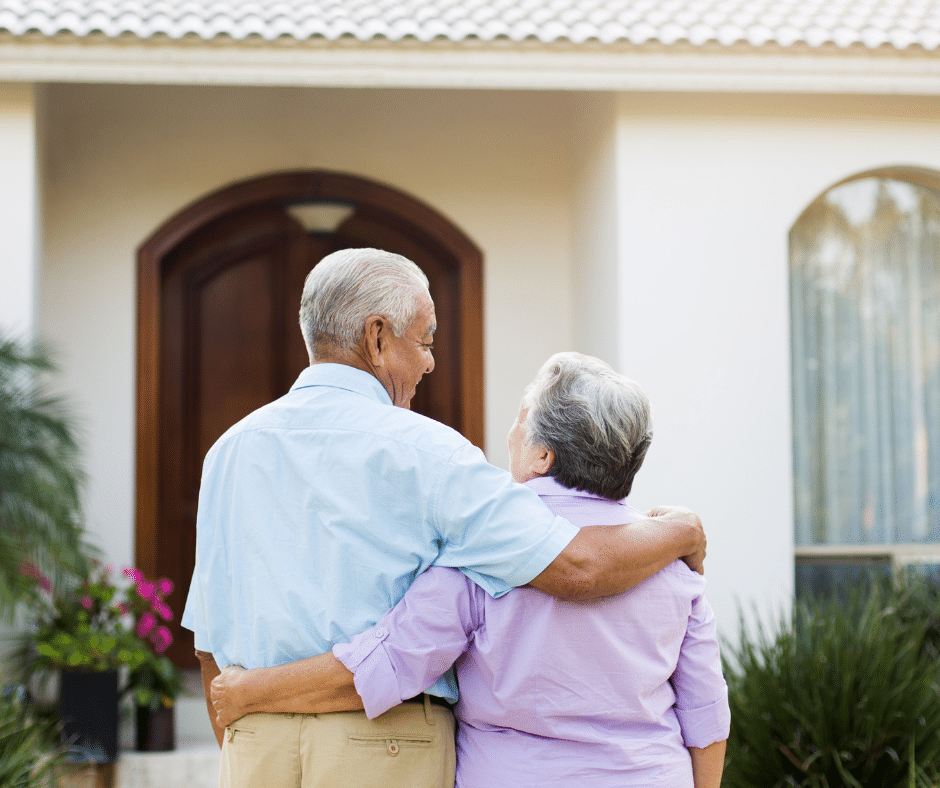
(865, 301)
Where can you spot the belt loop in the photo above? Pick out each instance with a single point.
(428, 717)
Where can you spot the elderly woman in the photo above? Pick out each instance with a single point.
(623, 691)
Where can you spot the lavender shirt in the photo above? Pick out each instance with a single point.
(553, 693)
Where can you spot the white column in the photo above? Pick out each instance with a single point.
(18, 242)
(19, 210)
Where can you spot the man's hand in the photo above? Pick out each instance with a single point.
(225, 696)
(681, 515)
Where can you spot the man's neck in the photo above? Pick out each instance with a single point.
(351, 357)
(355, 357)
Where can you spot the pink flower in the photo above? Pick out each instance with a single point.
(163, 610)
(134, 574)
(166, 586)
(29, 569)
(86, 602)
(146, 624)
(146, 589)
(161, 640)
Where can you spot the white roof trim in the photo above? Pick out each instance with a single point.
(475, 64)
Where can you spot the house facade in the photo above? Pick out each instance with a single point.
(630, 174)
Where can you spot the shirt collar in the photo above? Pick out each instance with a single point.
(342, 376)
(546, 485)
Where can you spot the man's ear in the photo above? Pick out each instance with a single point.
(543, 461)
(375, 339)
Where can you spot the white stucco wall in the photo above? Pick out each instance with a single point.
(121, 160)
(19, 209)
(712, 185)
(597, 237)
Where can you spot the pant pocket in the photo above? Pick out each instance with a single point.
(236, 731)
(393, 744)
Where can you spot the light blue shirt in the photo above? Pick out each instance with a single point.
(318, 510)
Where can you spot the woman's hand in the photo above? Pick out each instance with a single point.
(225, 696)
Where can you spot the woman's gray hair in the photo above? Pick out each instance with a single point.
(596, 420)
(348, 286)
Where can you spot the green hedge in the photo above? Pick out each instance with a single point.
(844, 693)
(30, 753)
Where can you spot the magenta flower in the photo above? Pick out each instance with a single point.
(146, 624)
(86, 602)
(166, 586)
(163, 610)
(161, 640)
(29, 569)
(134, 574)
(146, 589)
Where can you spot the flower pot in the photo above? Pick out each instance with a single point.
(88, 707)
(155, 729)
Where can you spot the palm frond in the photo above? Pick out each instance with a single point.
(40, 478)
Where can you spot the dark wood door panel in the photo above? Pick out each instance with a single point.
(225, 353)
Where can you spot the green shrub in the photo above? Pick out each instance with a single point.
(29, 745)
(844, 694)
(918, 600)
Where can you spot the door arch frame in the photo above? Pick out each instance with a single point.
(405, 213)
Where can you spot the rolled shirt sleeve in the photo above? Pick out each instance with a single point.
(415, 642)
(701, 691)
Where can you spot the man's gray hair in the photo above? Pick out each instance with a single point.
(348, 286)
(596, 420)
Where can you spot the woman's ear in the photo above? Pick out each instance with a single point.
(543, 460)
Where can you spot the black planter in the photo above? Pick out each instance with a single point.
(88, 707)
(156, 731)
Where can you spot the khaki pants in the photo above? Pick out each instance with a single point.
(410, 746)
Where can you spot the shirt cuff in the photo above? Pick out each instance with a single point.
(707, 724)
(373, 674)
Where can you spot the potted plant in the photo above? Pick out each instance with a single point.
(155, 683)
(83, 631)
(90, 631)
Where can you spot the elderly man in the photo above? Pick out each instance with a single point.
(317, 512)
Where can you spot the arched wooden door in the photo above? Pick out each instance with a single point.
(219, 290)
